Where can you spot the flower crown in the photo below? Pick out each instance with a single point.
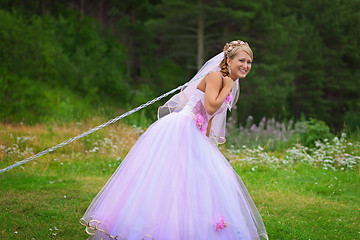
(230, 46)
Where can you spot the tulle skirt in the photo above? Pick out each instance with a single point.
(174, 184)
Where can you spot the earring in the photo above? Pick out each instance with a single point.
(229, 70)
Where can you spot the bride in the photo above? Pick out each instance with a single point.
(175, 184)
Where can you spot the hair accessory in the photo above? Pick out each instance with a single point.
(231, 46)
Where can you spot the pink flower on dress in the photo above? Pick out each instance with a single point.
(220, 225)
(199, 120)
(229, 97)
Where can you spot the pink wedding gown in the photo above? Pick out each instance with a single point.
(174, 184)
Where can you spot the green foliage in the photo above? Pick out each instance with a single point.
(307, 132)
(296, 46)
(306, 53)
(352, 120)
(28, 101)
(147, 115)
(57, 69)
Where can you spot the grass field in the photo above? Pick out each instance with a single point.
(45, 198)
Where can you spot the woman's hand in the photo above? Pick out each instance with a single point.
(228, 83)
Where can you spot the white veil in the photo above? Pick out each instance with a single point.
(178, 101)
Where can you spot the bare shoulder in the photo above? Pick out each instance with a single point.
(211, 79)
(214, 75)
(214, 79)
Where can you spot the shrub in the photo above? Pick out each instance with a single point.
(307, 132)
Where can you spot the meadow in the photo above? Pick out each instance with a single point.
(301, 192)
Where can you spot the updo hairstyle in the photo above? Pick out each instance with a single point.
(230, 51)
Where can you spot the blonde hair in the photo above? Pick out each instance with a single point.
(230, 51)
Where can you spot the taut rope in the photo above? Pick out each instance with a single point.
(94, 129)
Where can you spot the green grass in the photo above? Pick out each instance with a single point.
(306, 202)
(45, 198)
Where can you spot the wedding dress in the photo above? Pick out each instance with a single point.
(175, 184)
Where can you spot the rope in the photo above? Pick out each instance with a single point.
(95, 128)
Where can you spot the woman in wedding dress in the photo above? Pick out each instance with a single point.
(175, 184)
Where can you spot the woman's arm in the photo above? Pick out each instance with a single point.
(216, 90)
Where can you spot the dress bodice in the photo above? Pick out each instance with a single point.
(196, 104)
(196, 107)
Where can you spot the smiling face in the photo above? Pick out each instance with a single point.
(240, 65)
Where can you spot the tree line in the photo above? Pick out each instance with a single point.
(86, 52)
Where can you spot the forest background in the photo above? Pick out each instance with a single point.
(68, 65)
(69, 60)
